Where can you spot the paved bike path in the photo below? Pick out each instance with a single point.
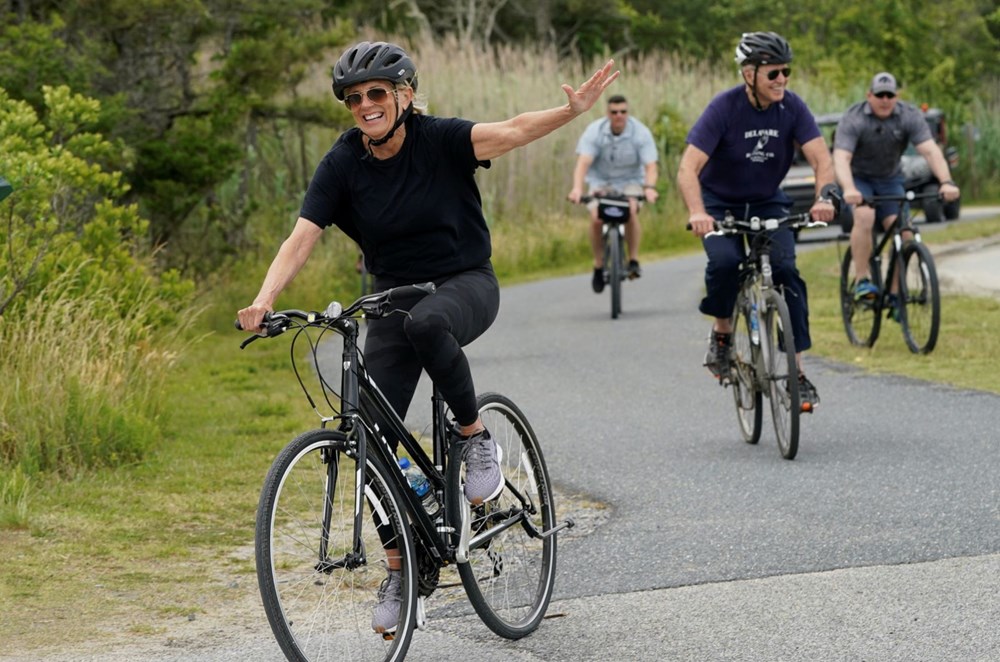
(881, 541)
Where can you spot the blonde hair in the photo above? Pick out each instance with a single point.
(419, 100)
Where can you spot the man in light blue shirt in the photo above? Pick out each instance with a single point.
(616, 153)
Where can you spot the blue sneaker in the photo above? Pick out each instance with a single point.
(892, 307)
(865, 291)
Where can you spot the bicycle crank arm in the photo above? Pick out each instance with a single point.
(462, 551)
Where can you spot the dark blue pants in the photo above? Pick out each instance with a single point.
(726, 253)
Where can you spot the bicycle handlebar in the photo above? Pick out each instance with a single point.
(732, 225)
(373, 306)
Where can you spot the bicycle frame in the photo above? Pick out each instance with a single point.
(362, 401)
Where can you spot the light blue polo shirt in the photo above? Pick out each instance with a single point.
(618, 160)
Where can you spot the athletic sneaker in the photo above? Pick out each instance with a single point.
(634, 270)
(892, 307)
(386, 614)
(718, 357)
(808, 395)
(598, 282)
(483, 479)
(865, 290)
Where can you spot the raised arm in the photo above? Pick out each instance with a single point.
(493, 139)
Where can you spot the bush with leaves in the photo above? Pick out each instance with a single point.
(86, 324)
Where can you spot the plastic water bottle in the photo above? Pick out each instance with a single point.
(754, 324)
(420, 486)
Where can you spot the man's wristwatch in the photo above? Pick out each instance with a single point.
(948, 182)
(649, 186)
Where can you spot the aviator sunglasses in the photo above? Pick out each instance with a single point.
(773, 74)
(375, 95)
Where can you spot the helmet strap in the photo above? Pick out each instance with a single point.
(753, 89)
(400, 118)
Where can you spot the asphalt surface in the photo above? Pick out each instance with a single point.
(880, 541)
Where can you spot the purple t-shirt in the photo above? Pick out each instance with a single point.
(749, 151)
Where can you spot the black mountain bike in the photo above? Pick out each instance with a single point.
(907, 284)
(613, 210)
(763, 353)
(335, 499)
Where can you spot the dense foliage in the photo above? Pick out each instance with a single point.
(191, 85)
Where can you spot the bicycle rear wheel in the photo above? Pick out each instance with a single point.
(862, 319)
(746, 395)
(511, 569)
(615, 269)
(782, 373)
(920, 301)
(318, 602)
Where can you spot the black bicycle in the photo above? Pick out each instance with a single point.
(613, 210)
(762, 362)
(335, 500)
(907, 284)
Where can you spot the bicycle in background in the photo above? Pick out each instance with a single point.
(613, 210)
(762, 362)
(335, 499)
(907, 282)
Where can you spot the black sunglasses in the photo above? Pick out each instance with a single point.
(786, 72)
(375, 95)
(618, 112)
(886, 95)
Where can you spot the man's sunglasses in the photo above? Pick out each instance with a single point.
(618, 112)
(886, 95)
(375, 95)
(773, 74)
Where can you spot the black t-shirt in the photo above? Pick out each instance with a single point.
(418, 215)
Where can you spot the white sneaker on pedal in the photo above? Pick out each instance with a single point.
(483, 478)
(385, 617)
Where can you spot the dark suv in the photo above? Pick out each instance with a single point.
(799, 184)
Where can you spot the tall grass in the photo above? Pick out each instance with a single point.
(524, 192)
(85, 386)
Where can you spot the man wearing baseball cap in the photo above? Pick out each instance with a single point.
(871, 137)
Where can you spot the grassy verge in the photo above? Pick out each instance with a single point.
(142, 548)
(968, 324)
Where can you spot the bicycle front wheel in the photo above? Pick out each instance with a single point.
(783, 373)
(512, 568)
(862, 319)
(746, 395)
(615, 268)
(319, 597)
(920, 301)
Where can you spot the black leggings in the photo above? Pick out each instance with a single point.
(431, 338)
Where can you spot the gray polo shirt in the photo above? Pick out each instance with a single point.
(619, 160)
(877, 144)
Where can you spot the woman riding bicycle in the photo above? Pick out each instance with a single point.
(738, 152)
(401, 184)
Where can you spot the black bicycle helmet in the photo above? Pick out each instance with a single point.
(373, 60)
(763, 48)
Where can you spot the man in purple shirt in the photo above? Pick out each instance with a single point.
(738, 152)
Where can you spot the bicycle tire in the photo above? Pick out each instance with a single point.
(746, 395)
(615, 270)
(862, 321)
(782, 373)
(324, 613)
(920, 298)
(509, 579)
